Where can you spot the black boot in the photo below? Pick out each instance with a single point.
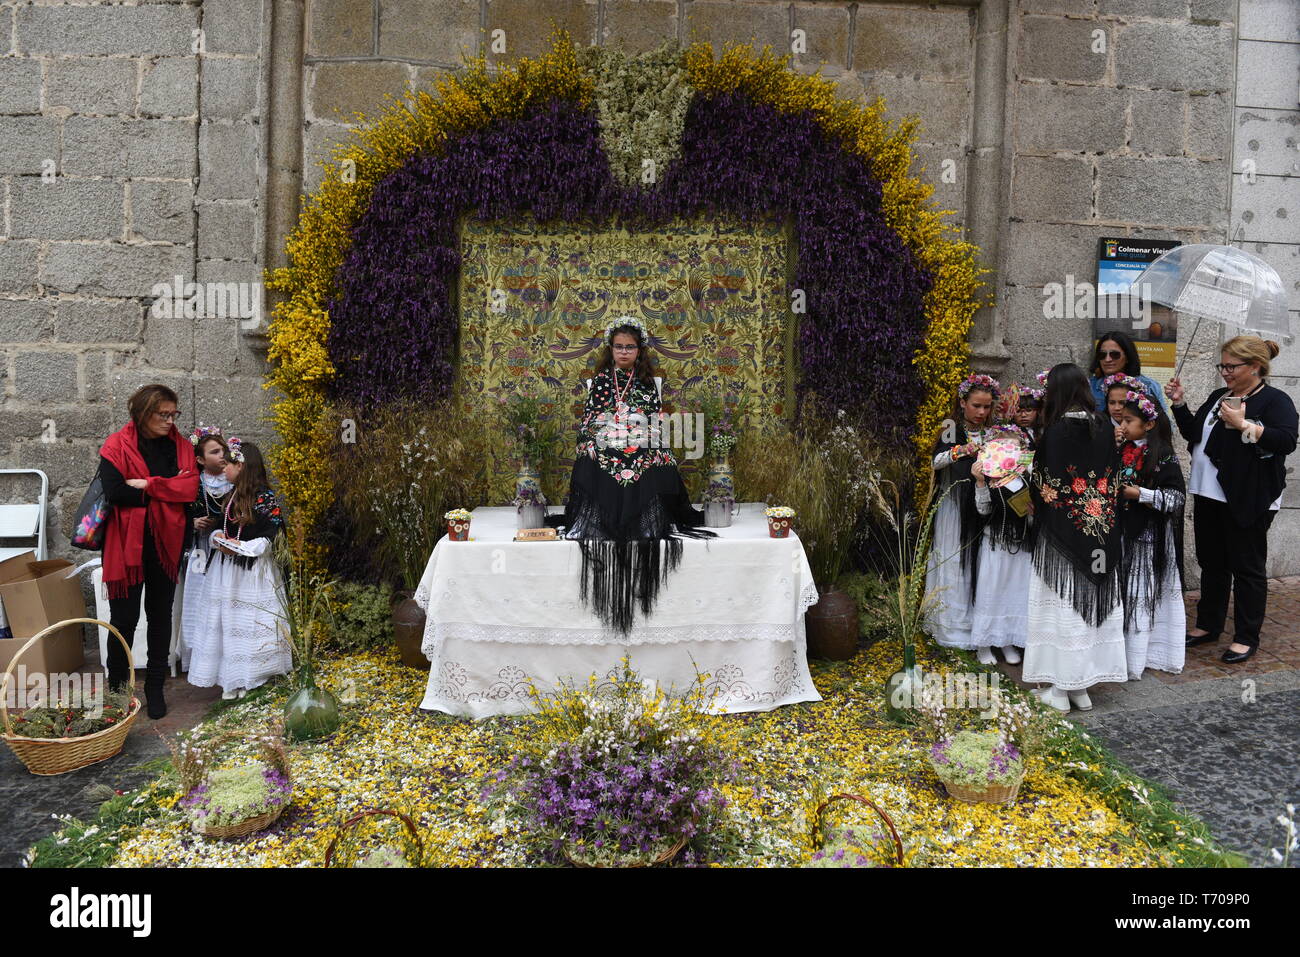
(153, 692)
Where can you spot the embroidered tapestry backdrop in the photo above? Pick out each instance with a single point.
(715, 297)
(369, 317)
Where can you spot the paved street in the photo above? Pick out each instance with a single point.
(1224, 739)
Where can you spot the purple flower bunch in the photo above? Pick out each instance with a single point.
(623, 800)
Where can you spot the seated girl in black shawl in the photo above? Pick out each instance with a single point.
(626, 496)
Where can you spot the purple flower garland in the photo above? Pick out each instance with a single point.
(394, 325)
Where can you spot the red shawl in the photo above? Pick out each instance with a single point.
(165, 501)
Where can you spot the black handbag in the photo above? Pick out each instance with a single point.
(92, 517)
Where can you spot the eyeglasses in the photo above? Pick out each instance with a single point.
(625, 348)
(1112, 354)
(169, 416)
(1230, 366)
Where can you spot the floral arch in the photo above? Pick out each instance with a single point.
(888, 290)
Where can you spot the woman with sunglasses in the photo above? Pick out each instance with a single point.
(150, 478)
(1116, 355)
(1239, 439)
(626, 496)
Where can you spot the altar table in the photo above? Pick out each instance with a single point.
(503, 614)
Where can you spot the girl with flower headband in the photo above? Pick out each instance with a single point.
(1075, 635)
(210, 453)
(1028, 414)
(1114, 390)
(953, 564)
(626, 496)
(1152, 495)
(1000, 616)
(236, 642)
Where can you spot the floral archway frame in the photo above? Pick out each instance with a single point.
(889, 289)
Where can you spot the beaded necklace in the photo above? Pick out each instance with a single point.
(225, 518)
(620, 397)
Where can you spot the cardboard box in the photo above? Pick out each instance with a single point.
(36, 595)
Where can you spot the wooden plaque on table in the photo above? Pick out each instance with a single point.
(536, 535)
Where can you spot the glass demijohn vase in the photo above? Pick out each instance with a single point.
(311, 711)
(903, 689)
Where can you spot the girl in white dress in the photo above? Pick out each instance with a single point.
(214, 488)
(1001, 611)
(951, 574)
(1152, 492)
(1076, 618)
(237, 644)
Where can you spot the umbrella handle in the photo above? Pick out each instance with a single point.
(1187, 351)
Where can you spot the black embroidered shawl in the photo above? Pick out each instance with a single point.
(1075, 489)
(956, 481)
(1146, 530)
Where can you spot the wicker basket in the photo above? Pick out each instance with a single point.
(374, 812)
(61, 755)
(273, 753)
(1002, 794)
(819, 822)
(662, 858)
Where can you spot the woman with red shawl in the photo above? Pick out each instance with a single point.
(148, 472)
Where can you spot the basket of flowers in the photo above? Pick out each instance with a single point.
(362, 841)
(235, 801)
(979, 767)
(844, 847)
(65, 735)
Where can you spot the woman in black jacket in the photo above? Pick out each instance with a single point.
(1239, 439)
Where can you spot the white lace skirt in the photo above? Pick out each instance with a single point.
(1064, 650)
(1161, 644)
(950, 617)
(192, 575)
(1001, 615)
(235, 642)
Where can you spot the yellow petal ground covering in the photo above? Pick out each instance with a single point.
(390, 754)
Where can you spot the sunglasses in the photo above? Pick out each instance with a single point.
(1111, 354)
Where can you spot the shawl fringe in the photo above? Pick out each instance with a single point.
(1093, 599)
(619, 576)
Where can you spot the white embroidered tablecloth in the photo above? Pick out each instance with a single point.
(502, 614)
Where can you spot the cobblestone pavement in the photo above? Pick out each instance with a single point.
(1223, 739)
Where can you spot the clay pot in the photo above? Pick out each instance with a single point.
(408, 629)
(832, 626)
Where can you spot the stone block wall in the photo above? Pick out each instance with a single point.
(1044, 125)
(130, 153)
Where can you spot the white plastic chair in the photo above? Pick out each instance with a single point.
(25, 519)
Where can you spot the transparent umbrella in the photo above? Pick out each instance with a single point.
(1223, 284)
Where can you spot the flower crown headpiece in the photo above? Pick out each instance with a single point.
(972, 382)
(1120, 378)
(1036, 394)
(632, 321)
(1146, 408)
(201, 432)
(235, 448)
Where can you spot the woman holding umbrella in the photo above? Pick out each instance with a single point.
(1239, 440)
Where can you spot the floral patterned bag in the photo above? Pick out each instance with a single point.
(92, 517)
